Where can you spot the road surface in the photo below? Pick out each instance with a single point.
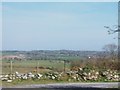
(74, 85)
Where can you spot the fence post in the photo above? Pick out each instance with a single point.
(64, 65)
(11, 68)
(37, 67)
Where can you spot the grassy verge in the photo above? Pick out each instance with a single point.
(30, 82)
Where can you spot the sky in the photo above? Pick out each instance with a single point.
(57, 25)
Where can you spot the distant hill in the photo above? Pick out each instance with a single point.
(53, 54)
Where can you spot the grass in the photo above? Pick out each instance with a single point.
(30, 65)
(29, 82)
(41, 81)
(25, 66)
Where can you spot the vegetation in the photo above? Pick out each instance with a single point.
(31, 66)
(70, 66)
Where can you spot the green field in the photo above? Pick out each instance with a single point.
(24, 66)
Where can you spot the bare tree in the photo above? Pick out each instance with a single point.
(112, 50)
(113, 29)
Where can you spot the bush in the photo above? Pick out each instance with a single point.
(96, 64)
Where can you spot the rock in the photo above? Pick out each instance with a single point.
(4, 78)
(16, 73)
(52, 77)
(9, 81)
(97, 73)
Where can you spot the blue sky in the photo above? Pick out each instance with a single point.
(72, 26)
